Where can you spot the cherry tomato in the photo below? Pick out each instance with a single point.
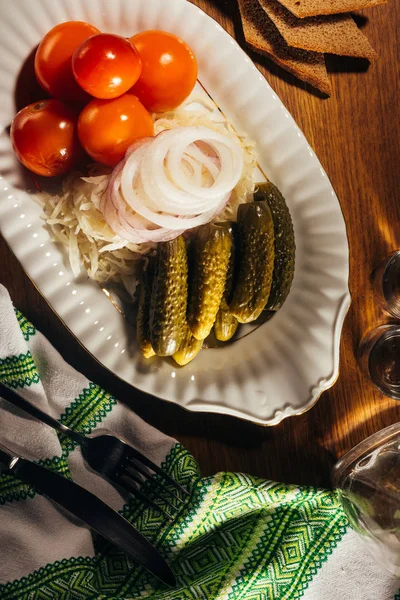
(107, 128)
(106, 65)
(169, 70)
(43, 135)
(53, 60)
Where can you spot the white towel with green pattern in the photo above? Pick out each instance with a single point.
(237, 538)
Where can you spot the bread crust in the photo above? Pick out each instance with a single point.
(335, 34)
(311, 8)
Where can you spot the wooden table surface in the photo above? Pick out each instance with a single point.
(356, 135)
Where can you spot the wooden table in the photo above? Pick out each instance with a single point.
(356, 135)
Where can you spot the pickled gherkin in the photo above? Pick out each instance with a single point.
(256, 254)
(169, 297)
(285, 247)
(226, 324)
(143, 317)
(188, 350)
(211, 250)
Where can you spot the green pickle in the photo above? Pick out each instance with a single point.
(256, 253)
(211, 250)
(143, 317)
(169, 297)
(188, 350)
(226, 324)
(285, 247)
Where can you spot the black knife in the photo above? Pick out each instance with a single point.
(91, 510)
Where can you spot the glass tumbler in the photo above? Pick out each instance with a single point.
(368, 482)
(386, 284)
(379, 356)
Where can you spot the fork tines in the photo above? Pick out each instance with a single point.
(134, 457)
(126, 482)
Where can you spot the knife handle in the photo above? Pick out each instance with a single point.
(56, 486)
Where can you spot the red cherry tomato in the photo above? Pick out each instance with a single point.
(107, 128)
(106, 65)
(53, 60)
(44, 137)
(169, 70)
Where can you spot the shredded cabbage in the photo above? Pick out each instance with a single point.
(74, 218)
(75, 221)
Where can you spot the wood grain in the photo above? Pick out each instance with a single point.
(356, 135)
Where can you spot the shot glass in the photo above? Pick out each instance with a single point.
(368, 483)
(379, 356)
(386, 284)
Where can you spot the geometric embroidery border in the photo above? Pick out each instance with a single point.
(84, 413)
(18, 371)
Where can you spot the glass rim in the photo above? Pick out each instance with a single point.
(375, 340)
(369, 444)
(387, 283)
(387, 335)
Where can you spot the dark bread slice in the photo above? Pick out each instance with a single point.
(263, 37)
(311, 8)
(336, 34)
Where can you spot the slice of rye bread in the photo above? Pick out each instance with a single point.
(311, 8)
(336, 34)
(263, 37)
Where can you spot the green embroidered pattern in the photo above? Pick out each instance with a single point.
(73, 579)
(18, 371)
(237, 538)
(26, 327)
(12, 488)
(85, 413)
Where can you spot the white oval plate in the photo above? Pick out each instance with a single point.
(283, 366)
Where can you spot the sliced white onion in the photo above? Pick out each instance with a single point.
(132, 228)
(141, 194)
(228, 177)
(158, 181)
(210, 163)
(178, 180)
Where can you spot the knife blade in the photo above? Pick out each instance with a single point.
(91, 510)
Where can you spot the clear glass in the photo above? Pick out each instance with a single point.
(368, 482)
(379, 357)
(386, 284)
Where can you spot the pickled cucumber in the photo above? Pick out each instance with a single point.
(226, 324)
(188, 350)
(285, 247)
(256, 254)
(143, 317)
(169, 297)
(211, 250)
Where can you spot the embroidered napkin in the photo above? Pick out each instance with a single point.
(237, 537)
